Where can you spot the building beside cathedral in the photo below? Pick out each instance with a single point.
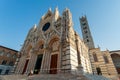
(54, 47)
(8, 58)
(101, 61)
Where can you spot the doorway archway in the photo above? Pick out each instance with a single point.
(27, 58)
(38, 64)
(98, 69)
(54, 46)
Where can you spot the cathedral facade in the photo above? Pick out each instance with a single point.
(54, 47)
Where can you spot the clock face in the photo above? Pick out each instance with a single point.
(46, 26)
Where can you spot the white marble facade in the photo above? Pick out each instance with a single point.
(53, 47)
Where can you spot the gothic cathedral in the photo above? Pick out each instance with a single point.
(53, 47)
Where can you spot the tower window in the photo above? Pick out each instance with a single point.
(85, 27)
(106, 59)
(84, 24)
(85, 31)
(95, 57)
(87, 40)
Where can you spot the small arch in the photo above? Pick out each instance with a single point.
(95, 57)
(114, 54)
(116, 61)
(28, 49)
(52, 41)
(40, 45)
(54, 47)
(106, 59)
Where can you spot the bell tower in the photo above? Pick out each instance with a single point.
(87, 37)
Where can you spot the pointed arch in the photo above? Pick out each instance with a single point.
(54, 47)
(95, 57)
(52, 40)
(105, 58)
(40, 44)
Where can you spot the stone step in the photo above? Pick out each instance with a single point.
(53, 77)
(96, 77)
(13, 77)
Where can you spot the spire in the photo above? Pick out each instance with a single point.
(56, 9)
(49, 9)
(68, 17)
(66, 9)
(56, 13)
(35, 26)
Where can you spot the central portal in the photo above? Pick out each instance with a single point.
(38, 64)
(53, 64)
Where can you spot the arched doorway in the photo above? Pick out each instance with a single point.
(38, 64)
(27, 59)
(98, 71)
(54, 45)
(40, 48)
(53, 64)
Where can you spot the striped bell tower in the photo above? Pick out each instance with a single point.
(87, 37)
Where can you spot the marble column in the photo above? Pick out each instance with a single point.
(32, 61)
(60, 57)
(45, 62)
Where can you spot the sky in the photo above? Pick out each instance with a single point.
(18, 16)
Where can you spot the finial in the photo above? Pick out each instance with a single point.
(66, 9)
(34, 25)
(50, 9)
(56, 8)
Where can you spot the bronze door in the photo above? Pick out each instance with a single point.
(53, 64)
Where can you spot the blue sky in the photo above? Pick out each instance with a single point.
(18, 16)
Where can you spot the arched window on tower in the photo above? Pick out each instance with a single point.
(87, 40)
(84, 27)
(86, 31)
(106, 59)
(84, 23)
(95, 57)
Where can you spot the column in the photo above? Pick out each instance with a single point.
(59, 57)
(45, 62)
(32, 61)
